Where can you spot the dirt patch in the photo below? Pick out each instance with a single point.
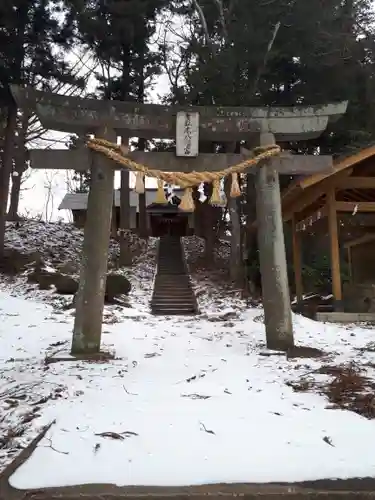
(296, 352)
(347, 389)
(304, 352)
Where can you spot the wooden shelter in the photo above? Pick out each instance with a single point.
(158, 217)
(341, 203)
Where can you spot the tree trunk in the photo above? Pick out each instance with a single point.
(235, 265)
(15, 197)
(142, 217)
(6, 170)
(209, 246)
(251, 246)
(142, 202)
(20, 168)
(125, 250)
(20, 160)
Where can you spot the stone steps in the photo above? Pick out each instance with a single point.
(173, 293)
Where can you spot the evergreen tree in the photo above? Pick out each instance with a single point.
(119, 34)
(319, 55)
(282, 53)
(30, 33)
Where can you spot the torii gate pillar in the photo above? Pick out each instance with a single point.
(93, 275)
(272, 258)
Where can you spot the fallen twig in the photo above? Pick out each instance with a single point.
(195, 396)
(52, 448)
(130, 393)
(328, 440)
(117, 435)
(204, 428)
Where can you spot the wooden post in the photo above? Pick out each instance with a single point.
(90, 296)
(142, 203)
(125, 251)
(142, 216)
(350, 267)
(273, 267)
(334, 248)
(297, 260)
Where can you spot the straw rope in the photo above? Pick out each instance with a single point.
(183, 179)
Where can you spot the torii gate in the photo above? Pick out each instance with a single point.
(109, 119)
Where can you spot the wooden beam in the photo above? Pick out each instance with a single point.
(364, 238)
(61, 159)
(302, 202)
(79, 159)
(297, 261)
(354, 206)
(310, 195)
(290, 164)
(334, 247)
(308, 221)
(356, 183)
(340, 166)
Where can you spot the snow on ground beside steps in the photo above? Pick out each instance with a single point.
(61, 242)
(187, 401)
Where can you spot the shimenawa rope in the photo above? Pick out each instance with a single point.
(186, 180)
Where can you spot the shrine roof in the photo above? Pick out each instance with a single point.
(163, 208)
(353, 181)
(78, 201)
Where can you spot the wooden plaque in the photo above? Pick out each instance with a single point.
(187, 134)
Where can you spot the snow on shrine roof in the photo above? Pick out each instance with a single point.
(78, 201)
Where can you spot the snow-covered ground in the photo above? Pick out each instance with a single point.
(186, 401)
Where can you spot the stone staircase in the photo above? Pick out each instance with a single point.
(173, 293)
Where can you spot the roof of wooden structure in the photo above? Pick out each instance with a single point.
(78, 201)
(353, 179)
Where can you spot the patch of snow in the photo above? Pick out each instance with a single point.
(186, 401)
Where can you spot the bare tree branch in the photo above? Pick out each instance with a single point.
(263, 66)
(204, 23)
(220, 6)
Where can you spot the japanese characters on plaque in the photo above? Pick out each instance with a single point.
(187, 134)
